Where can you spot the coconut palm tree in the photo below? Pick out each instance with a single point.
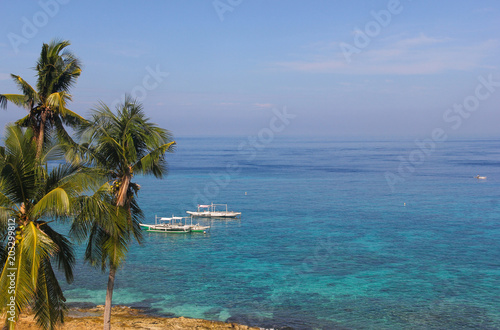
(122, 144)
(34, 196)
(57, 70)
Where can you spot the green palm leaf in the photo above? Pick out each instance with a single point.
(57, 70)
(17, 99)
(30, 192)
(31, 97)
(19, 273)
(55, 203)
(37, 246)
(57, 101)
(26, 121)
(120, 144)
(73, 119)
(17, 170)
(49, 304)
(64, 255)
(96, 209)
(154, 162)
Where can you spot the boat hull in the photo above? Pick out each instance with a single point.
(173, 229)
(214, 214)
(166, 229)
(199, 229)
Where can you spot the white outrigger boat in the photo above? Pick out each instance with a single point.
(211, 211)
(177, 225)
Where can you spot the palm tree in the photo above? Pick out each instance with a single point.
(122, 144)
(57, 70)
(33, 197)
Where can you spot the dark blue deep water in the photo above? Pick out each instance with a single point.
(332, 236)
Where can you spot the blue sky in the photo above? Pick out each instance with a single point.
(342, 68)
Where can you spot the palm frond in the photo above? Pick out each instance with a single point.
(18, 271)
(61, 190)
(26, 121)
(62, 134)
(78, 179)
(52, 151)
(108, 233)
(31, 97)
(5, 202)
(73, 119)
(110, 153)
(54, 203)
(95, 209)
(17, 99)
(137, 217)
(75, 153)
(57, 68)
(64, 254)
(116, 248)
(104, 249)
(3, 102)
(154, 162)
(37, 246)
(18, 170)
(57, 102)
(49, 300)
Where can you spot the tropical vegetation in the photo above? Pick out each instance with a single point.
(121, 145)
(34, 197)
(46, 177)
(57, 70)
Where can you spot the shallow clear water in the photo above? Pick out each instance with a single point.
(324, 242)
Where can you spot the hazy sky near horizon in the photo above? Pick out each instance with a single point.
(226, 67)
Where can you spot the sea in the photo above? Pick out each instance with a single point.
(334, 234)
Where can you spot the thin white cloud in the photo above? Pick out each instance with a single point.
(410, 55)
(263, 105)
(421, 40)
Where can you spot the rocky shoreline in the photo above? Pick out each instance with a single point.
(124, 317)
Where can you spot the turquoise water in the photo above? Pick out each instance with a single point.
(324, 242)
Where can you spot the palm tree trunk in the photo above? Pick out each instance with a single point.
(122, 192)
(109, 297)
(41, 134)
